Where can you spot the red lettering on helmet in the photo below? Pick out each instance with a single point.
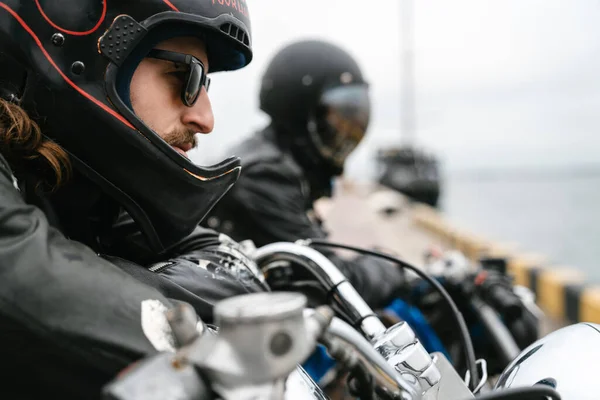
(238, 5)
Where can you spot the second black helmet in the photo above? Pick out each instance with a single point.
(314, 92)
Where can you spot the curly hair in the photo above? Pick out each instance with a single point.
(28, 151)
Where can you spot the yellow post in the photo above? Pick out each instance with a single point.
(589, 305)
(551, 289)
(520, 265)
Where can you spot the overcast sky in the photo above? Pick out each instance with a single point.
(499, 82)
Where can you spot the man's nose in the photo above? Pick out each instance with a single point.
(200, 116)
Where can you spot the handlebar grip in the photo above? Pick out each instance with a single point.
(505, 301)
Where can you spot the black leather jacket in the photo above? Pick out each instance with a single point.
(69, 320)
(72, 318)
(273, 201)
(201, 269)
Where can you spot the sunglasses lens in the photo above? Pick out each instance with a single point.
(194, 85)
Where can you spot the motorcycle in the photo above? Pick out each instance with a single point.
(502, 317)
(263, 338)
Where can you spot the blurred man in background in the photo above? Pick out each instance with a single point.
(318, 101)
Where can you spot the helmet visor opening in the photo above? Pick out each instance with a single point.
(342, 119)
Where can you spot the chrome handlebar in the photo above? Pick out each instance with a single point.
(416, 370)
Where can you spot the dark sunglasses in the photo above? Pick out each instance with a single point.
(195, 77)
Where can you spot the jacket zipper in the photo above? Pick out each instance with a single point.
(158, 267)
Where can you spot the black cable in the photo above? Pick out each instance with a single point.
(536, 392)
(462, 326)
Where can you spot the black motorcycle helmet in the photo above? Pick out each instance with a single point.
(69, 64)
(315, 94)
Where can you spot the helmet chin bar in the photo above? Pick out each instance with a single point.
(158, 240)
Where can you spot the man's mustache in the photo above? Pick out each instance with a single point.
(181, 138)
